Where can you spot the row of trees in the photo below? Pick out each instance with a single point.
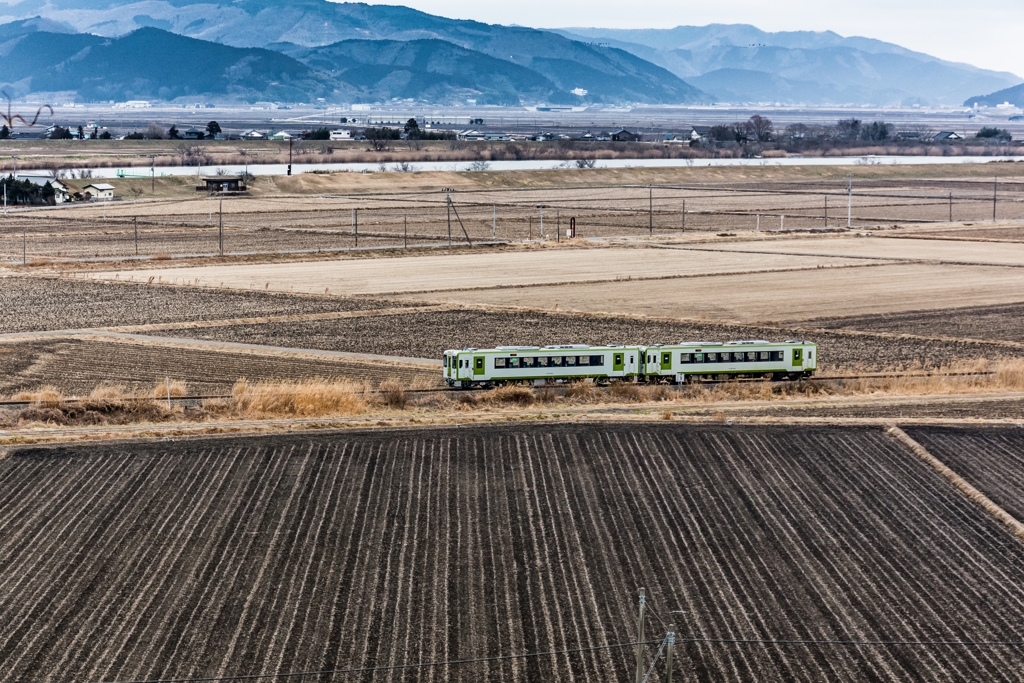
(25, 191)
(760, 131)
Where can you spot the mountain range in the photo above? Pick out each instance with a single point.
(741, 63)
(246, 50)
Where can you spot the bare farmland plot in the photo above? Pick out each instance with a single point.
(1001, 322)
(427, 335)
(483, 269)
(281, 223)
(991, 460)
(245, 556)
(76, 367)
(35, 304)
(772, 297)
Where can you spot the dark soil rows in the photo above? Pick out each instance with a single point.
(992, 460)
(427, 335)
(38, 304)
(1002, 322)
(1007, 409)
(76, 367)
(296, 553)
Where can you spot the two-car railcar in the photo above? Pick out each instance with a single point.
(669, 363)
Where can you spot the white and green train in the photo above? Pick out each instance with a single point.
(662, 363)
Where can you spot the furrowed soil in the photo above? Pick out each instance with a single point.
(33, 304)
(76, 367)
(978, 322)
(242, 556)
(427, 335)
(992, 460)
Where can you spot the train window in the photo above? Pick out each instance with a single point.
(776, 355)
(684, 357)
(751, 355)
(810, 355)
(712, 357)
(479, 363)
(499, 362)
(528, 362)
(513, 362)
(584, 360)
(666, 358)
(597, 360)
(762, 355)
(570, 360)
(542, 361)
(556, 360)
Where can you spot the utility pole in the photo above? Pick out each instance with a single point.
(24, 244)
(541, 207)
(849, 201)
(220, 229)
(289, 156)
(650, 211)
(405, 223)
(15, 168)
(640, 638)
(135, 225)
(449, 205)
(671, 638)
(826, 211)
(152, 168)
(355, 225)
(995, 189)
(684, 215)
(494, 221)
(950, 206)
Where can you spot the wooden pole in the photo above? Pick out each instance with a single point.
(995, 189)
(684, 215)
(950, 206)
(449, 205)
(640, 638)
(220, 227)
(355, 217)
(826, 211)
(650, 211)
(405, 223)
(135, 224)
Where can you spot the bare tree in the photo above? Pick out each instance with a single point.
(759, 128)
(154, 132)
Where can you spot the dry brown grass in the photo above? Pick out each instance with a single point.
(173, 388)
(391, 393)
(304, 398)
(46, 397)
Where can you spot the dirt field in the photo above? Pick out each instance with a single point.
(32, 304)
(990, 459)
(771, 297)
(982, 322)
(76, 367)
(947, 251)
(484, 269)
(426, 335)
(304, 553)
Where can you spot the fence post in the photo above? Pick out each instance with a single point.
(995, 190)
(405, 224)
(135, 224)
(950, 206)
(849, 202)
(220, 227)
(449, 205)
(684, 215)
(826, 211)
(494, 220)
(541, 207)
(782, 222)
(355, 216)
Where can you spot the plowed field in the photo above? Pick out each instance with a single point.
(75, 367)
(35, 304)
(992, 460)
(426, 335)
(303, 553)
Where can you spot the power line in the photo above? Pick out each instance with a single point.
(922, 643)
(250, 677)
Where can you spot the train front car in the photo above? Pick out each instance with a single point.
(690, 361)
(470, 368)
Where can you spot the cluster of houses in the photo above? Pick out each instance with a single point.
(72, 190)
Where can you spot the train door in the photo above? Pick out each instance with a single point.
(798, 357)
(478, 366)
(666, 361)
(617, 364)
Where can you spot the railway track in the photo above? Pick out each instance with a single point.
(199, 398)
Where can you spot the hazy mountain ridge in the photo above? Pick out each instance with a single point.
(806, 67)
(611, 75)
(154, 64)
(1014, 96)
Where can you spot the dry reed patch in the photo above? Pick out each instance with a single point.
(44, 397)
(169, 387)
(581, 392)
(510, 395)
(302, 398)
(391, 393)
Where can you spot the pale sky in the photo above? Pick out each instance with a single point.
(985, 33)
